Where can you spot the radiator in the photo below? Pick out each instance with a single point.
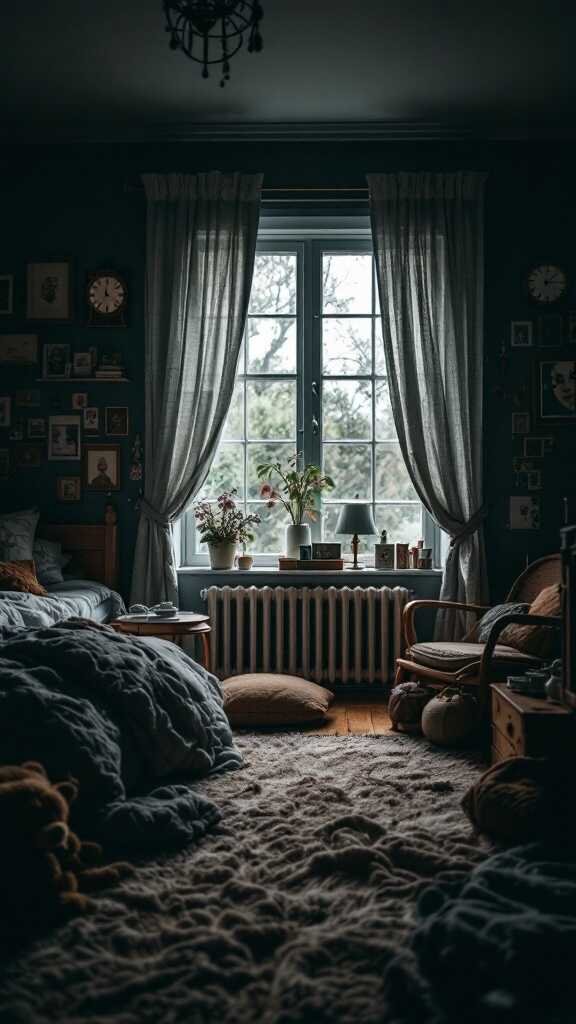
(337, 635)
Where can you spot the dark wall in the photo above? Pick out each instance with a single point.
(85, 203)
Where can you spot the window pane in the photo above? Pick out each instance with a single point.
(347, 347)
(392, 480)
(349, 465)
(403, 523)
(271, 409)
(270, 534)
(261, 453)
(379, 360)
(274, 283)
(385, 429)
(234, 426)
(271, 345)
(347, 409)
(347, 282)
(227, 471)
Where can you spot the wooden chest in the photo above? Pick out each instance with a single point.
(530, 726)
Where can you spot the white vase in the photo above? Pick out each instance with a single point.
(295, 536)
(222, 554)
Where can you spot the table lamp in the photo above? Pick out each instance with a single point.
(356, 519)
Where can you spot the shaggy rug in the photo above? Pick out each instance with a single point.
(288, 912)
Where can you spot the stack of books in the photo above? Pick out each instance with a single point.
(109, 370)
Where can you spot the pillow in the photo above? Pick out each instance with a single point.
(540, 641)
(263, 698)
(17, 531)
(20, 576)
(491, 617)
(49, 561)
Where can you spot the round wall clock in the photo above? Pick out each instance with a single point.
(107, 298)
(546, 283)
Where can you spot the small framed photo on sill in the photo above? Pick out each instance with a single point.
(68, 488)
(520, 333)
(48, 290)
(82, 364)
(56, 361)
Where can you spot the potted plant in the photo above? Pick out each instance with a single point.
(296, 490)
(222, 526)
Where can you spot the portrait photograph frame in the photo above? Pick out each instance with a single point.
(116, 420)
(18, 349)
(555, 392)
(6, 294)
(82, 365)
(49, 290)
(79, 400)
(102, 467)
(521, 334)
(64, 439)
(91, 419)
(68, 488)
(56, 355)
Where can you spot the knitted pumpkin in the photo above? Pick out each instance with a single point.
(405, 706)
(450, 717)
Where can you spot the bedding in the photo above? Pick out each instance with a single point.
(129, 717)
(73, 598)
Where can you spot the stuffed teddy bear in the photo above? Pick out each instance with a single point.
(45, 868)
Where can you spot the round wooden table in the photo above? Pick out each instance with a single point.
(174, 628)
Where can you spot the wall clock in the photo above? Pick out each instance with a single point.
(546, 282)
(107, 298)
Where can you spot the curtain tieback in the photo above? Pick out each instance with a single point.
(473, 524)
(148, 510)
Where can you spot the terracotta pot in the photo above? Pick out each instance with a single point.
(244, 561)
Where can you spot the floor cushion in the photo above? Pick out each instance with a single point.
(448, 656)
(266, 698)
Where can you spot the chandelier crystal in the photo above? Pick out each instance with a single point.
(212, 31)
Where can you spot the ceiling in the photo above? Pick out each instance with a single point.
(103, 70)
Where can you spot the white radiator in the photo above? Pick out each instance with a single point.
(338, 635)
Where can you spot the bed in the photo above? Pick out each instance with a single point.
(93, 595)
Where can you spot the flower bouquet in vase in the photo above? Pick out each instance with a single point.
(296, 487)
(222, 527)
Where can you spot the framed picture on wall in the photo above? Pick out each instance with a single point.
(48, 290)
(520, 333)
(102, 467)
(116, 418)
(91, 416)
(64, 438)
(68, 488)
(6, 294)
(524, 512)
(555, 387)
(56, 361)
(19, 349)
(36, 427)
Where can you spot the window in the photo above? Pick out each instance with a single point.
(311, 377)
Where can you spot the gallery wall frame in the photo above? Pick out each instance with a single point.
(49, 290)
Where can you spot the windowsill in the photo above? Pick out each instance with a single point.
(271, 570)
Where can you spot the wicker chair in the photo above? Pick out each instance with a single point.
(469, 663)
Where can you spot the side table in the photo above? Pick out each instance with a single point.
(175, 628)
(525, 726)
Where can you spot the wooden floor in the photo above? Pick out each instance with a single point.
(356, 715)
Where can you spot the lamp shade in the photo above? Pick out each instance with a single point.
(356, 518)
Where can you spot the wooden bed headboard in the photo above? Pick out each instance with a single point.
(95, 548)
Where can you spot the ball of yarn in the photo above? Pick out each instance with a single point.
(405, 706)
(521, 799)
(450, 717)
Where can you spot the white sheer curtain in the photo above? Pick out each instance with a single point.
(200, 249)
(428, 242)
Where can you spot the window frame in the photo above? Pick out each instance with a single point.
(309, 237)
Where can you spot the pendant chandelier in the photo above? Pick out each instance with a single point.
(212, 31)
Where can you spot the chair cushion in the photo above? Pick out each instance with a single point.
(20, 576)
(263, 698)
(537, 640)
(451, 657)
